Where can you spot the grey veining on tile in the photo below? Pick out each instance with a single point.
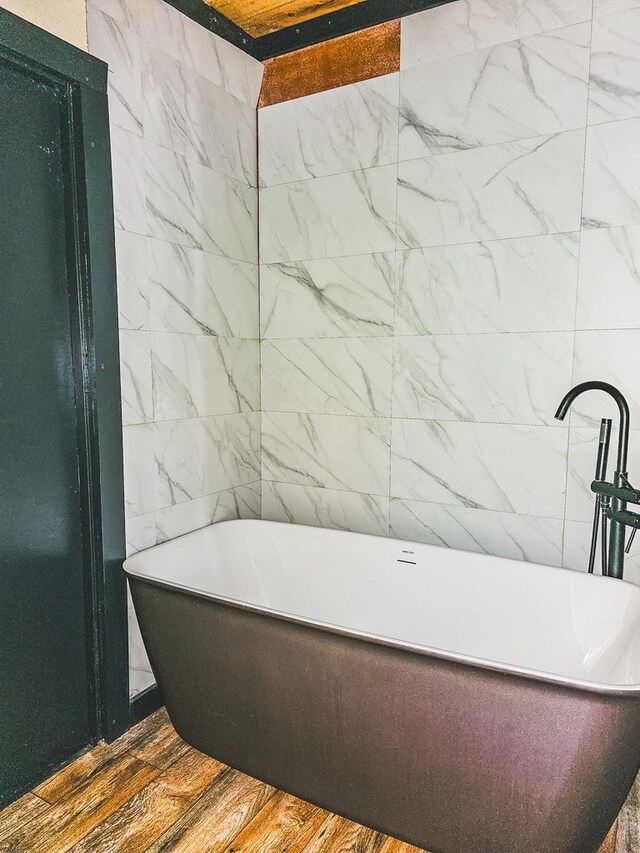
(522, 89)
(133, 280)
(190, 115)
(513, 189)
(195, 206)
(208, 54)
(241, 502)
(614, 86)
(610, 355)
(611, 7)
(316, 219)
(513, 378)
(328, 508)
(520, 285)
(338, 297)
(518, 469)
(139, 467)
(140, 533)
(128, 159)
(349, 453)
(518, 537)
(196, 292)
(135, 377)
(339, 376)
(611, 179)
(117, 44)
(124, 11)
(609, 279)
(198, 376)
(197, 457)
(468, 25)
(352, 127)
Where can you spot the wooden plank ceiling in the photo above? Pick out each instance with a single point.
(261, 17)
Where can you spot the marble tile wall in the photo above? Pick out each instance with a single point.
(183, 131)
(444, 252)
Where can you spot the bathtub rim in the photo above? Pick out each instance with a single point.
(611, 690)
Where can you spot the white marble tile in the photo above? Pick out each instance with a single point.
(336, 297)
(518, 469)
(140, 674)
(521, 285)
(129, 197)
(135, 377)
(201, 456)
(513, 91)
(468, 25)
(198, 376)
(213, 57)
(241, 502)
(348, 214)
(195, 206)
(124, 11)
(503, 534)
(133, 280)
(140, 533)
(326, 508)
(614, 87)
(348, 128)
(339, 376)
(610, 356)
(190, 115)
(346, 453)
(577, 541)
(612, 179)
(139, 469)
(583, 452)
(514, 378)
(514, 189)
(609, 279)
(611, 7)
(119, 45)
(196, 292)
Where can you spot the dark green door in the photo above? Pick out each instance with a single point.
(45, 664)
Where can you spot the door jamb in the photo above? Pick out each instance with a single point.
(91, 202)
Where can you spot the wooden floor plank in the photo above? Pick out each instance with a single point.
(340, 835)
(628, 834)
(161, 746)
(68, 821)
(66, 781)
(392, 845)
(217, 817)
(285, 824)
(150, 812)
(20, 813)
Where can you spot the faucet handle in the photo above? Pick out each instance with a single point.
(625, 492)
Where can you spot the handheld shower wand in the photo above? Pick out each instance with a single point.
(601, 474)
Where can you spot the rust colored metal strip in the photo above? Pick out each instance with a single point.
(360, 56)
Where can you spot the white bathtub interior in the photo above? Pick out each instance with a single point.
(533, 619)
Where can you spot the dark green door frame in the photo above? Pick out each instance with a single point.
(89, 210)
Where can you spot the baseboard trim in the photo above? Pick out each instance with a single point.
(145, 703)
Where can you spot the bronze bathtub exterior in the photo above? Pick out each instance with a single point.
(449, 756)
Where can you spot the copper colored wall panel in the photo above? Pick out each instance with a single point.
(368, 53)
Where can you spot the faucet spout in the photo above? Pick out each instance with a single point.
(623, 409)
(618, 511)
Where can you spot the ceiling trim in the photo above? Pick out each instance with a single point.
(366, 13)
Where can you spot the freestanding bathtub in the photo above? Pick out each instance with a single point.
(463, 703)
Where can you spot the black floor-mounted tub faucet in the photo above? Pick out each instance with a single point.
(620, 491)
